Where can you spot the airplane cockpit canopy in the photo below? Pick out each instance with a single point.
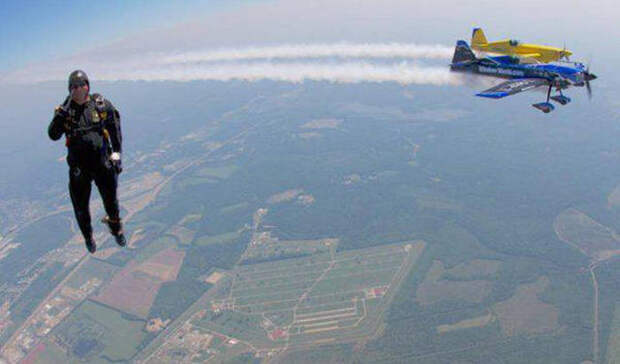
(513, 42)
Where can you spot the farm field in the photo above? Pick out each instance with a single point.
(270, 248)
(525, 313)
(134, 288)
(587, 235)
(98, 333)
(325, 297)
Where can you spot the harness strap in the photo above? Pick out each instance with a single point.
(71, 132)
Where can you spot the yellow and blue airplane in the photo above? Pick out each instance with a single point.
(513, 47)
(523, 77)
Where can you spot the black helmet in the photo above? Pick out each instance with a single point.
(78, 78)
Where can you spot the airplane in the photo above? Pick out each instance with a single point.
(539, 53)
(522, 77)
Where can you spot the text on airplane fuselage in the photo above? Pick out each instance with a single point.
(501, 71)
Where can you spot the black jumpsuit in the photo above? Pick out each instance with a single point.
(88, 155)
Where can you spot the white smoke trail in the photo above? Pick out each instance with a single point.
(348, 72)
(290, 51)
(288, 63)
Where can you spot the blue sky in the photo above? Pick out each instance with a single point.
(37, 30)
(48, 39)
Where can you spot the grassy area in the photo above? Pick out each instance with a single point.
(190, 218)
(93, 268)
(524, 313)
(96, 332)
(193, 181)
(185, 235)
(217, 239)
(613, 345)
(437, 203)
(283, 249)
(321, 354)
(320, 297)
(477, 268)
(584, 233)
(155, 247)
(238, 325)
(40, 287)
(51, 354)
(36, 239)
(435, 288)
(233, 208)
(217, 172)
(466, 324)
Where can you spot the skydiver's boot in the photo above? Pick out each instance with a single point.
(116, 229)
(90, 244)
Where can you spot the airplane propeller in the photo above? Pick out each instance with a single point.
(587, 77)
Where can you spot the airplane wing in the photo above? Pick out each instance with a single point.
(529, 55)
(512, 87)
(530, 58)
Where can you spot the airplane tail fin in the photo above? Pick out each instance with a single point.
(478, 38)
(462, 52)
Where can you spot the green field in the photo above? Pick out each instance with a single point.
(233, 208)
(215, 239)
(96, 333)
(613, 346)
(280, 249)
(155, 247)
(91, 269)
(193, 181)
(327, 296)
(584, 233)
(190, 218)
(217, 172)
(52, 354)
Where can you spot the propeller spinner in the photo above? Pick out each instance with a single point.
(587, 77)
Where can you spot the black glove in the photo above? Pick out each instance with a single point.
(115, 159)
(118, 166)
(61, 111)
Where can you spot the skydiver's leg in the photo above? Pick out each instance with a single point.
(79, 190)
(107, 183)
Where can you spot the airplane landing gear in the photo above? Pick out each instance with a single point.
(561, 99)
(546, 107)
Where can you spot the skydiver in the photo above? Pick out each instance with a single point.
(92, 128)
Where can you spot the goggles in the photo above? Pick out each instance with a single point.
(77, 83)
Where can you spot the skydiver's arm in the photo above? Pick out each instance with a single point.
(55, 129)
(113, 126)
(57, 126)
